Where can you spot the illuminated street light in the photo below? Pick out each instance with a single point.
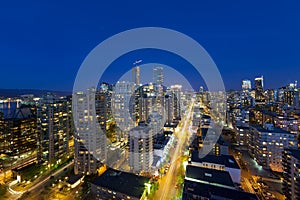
(148, 185)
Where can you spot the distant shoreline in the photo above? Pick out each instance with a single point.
(10, 93)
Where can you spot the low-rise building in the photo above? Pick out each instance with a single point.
(222, 162)
(219, 178)
(75, 180)
(161, 147)
(206, 183)
(200, 190)
(114, 184)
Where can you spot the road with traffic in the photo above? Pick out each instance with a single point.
(16, 194)
(167, 188)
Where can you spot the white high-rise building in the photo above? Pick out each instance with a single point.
(123, 101)
(246, 85)
(89, 139)
(136, 75)
(141, 148)
(158, 76)
(156, 122)
(245, 94)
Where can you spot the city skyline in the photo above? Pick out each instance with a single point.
(142, 138)
(150, 100)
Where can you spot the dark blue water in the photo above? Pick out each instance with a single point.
(8, 108)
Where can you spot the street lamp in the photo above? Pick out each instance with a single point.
(148, 185)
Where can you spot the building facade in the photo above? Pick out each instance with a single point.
(158, 76)
(54, 124)
(268, 143)
(89, 138)
(19, 131)
(291, 173)
(259, 88)
(123, 102)
(136, 75)
(140, 148)
(176, 90)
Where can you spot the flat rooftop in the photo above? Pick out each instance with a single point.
(123, 182)
(220, 139)
(73, 179)
(213, 176)
(274, 130)
(160, 140)
(226, 160)
(213, 192)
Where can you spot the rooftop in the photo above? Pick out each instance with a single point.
(243, 127)
(274, 130)
(218, 177)
(213, 192)
(168, 133)
(172, 125)
(73, 179)
(160, 140)
(123, 182)
(227, 160)
(206, 117)
(141, 127)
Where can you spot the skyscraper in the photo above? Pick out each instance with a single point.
(246, 85)
(89, 139)
(201, 89)
(156, 122)
(107, 89)
(101, 108)
(101, 114)
(18, 132)
(123, 105)
(54, 125)
(245, 95)
(158, 76)
(176, 90)
(141, 148)
(169, 113)
(146, 107)
(136, 75)
(291, 95)
(259, 88)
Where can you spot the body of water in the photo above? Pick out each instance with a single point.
(8, 108)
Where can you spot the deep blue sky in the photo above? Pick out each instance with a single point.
(42, 44)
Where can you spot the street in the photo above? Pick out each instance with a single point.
(167, 188)
(17, 194)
